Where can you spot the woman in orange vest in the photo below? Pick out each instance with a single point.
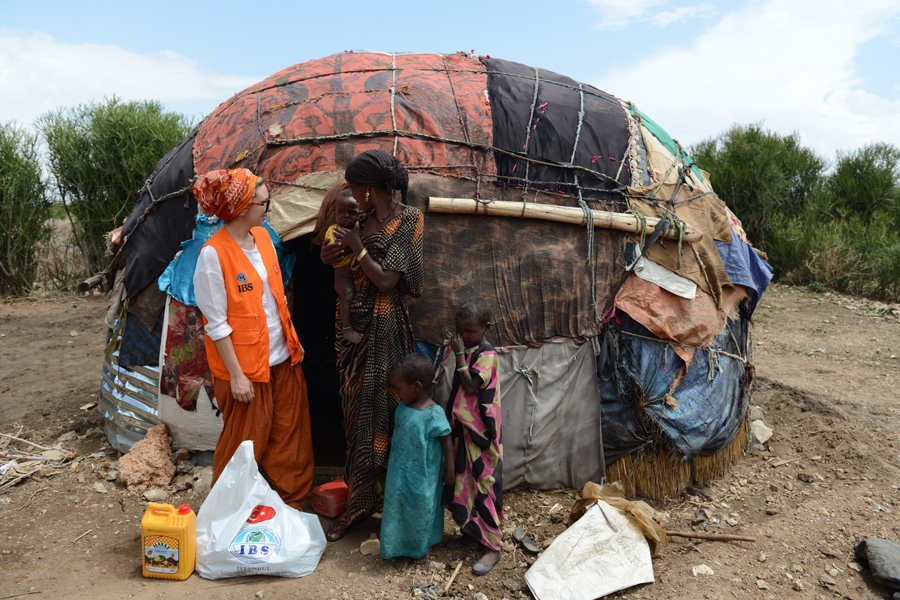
(252, 349)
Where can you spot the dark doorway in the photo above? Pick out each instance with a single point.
(314, 308)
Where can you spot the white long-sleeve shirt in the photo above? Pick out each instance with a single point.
(209, 289)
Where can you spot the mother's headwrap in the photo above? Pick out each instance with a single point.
(225, 192)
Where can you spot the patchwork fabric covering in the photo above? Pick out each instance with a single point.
(661, 344)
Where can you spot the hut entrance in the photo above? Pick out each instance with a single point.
(313, 315)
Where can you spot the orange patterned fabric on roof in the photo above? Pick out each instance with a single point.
(429, 110)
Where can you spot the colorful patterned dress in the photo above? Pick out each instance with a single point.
(367, 399)
(412, 520)
(477, 505)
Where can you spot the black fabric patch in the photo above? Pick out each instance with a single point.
(549, 134)
(151, 246)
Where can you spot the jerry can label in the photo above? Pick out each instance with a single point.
(161, 554)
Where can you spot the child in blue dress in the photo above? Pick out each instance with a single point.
(421, 463)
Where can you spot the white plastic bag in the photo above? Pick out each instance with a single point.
(603, 552)
(244, 528)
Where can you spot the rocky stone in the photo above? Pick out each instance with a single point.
(69, 435)
(759, 433)
(184, 466)
(100, 488)
(797, 585)
(155, 495)
(756, 413)
(702, 570)
(479, 596)
(806, 477)
(148, 463)
(183, 482)
(111, 475)
(181, 454)
(826, 580)
(762, 584)
(203, 480)
(763, 557)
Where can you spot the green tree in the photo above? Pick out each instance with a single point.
(100, 155)
(866, 181)
(24, 209)
(761, 175)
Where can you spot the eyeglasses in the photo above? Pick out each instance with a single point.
(266, 203)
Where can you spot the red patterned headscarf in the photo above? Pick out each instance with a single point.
(225, 193)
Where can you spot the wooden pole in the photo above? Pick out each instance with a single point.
(550, 212)
(722, 537)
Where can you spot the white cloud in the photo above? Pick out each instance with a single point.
(39, 74)
(682, 13)
(789, 63)
(618, 14)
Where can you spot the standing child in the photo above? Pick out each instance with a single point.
(346, 215)
(421, 462)
(474, 414)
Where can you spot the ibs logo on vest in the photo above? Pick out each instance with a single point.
(243, 284)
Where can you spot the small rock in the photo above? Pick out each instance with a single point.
(796, 568)
(763, 557)
(507, 547)
(829, 552)
(100, 488)
(772, 510)
(700, 516)
(759, 433)
(702, 570)
(855, 566)
(370, 546)
(435, 565)
(733, 522)
(789, 486)
(111, 475)
(756, 413)
(184, 466)
(797, 585)
(479, 596)
(181, 454)
(73, 333)
(826, 580)
(70, 435)
(833, 572)
(511, 585)
(155, 495)
(260, 594)
(806, 477)
(183, 482)
(762, 584)
(203, 480)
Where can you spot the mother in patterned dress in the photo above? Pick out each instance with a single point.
(387, 267)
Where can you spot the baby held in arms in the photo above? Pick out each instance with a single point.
(346, 213)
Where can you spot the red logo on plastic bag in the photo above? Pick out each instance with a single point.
(261, 513)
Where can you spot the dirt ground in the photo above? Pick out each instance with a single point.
(828, 378)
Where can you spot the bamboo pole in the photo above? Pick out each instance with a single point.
(549, 212)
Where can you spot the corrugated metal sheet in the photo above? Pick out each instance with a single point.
(128, 401)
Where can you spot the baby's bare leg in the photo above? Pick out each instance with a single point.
(343, 285)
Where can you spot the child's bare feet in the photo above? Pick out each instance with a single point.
(423, 560)
(402, 563)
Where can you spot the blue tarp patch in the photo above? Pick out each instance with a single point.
(710, 403)
(745, 267)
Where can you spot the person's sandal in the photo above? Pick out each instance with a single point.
(479, 568)
(336, 531)
(521, 535)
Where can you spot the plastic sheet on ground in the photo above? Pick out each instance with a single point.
(603, 552)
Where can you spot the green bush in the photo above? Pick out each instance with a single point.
(99, 156)
(865, 181)
(762, 176)
(24, 209)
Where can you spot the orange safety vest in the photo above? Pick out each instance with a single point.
(244, 290)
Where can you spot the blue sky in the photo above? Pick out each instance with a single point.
(827, 69)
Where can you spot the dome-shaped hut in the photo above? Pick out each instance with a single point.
(622, 286)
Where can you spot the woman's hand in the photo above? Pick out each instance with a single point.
(331, 253)
(456, 343)
(348, 239)
(242, 388)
